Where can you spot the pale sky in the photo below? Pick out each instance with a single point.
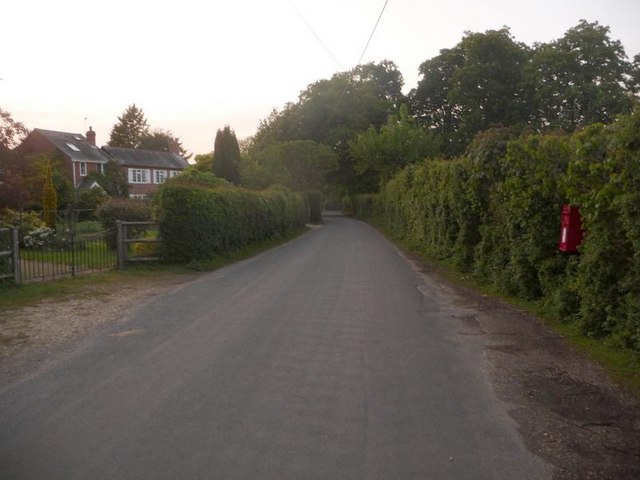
(195, 66)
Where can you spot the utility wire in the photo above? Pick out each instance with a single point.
(372, 32)
(315, 34)
(364, 50)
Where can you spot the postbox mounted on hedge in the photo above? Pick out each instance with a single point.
(571, 232)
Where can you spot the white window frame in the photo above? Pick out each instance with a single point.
(83, 169)
(137, 196)
(101, 168)
(159, 176)
(174, 173)
(139, 176)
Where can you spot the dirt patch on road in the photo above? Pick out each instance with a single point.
(29, 336)
(568, 410)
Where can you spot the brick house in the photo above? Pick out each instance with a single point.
(145, 169)
(79, 154)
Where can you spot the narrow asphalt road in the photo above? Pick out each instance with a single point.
(326, 358)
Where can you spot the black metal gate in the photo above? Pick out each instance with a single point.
(71, 249)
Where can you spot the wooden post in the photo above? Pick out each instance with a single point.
(120, 244)
(16, 257)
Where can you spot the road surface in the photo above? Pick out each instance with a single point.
(329, 357)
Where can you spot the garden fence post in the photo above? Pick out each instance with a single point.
(16, 256)
(120, 244)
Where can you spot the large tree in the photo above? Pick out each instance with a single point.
(332, 111)
(160, 139)
(226, 155)
(582, 78)
(131, 128)
(301, 165)
(475, 85)
(13, 192)
(489, 80)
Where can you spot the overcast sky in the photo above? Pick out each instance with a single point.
(194, 66)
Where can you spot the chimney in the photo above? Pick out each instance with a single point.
(174, 147)
(91, 136)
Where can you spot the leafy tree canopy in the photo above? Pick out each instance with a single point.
(12, 189)
(160, 139)
(471, 87)
(333, 111)
(382, 153)
(489, 80)
(113, 181)
(11, 131)
(582, 78)
(301, 165)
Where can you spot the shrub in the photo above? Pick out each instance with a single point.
(124, 209)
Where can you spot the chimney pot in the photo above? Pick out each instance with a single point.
(91, 136)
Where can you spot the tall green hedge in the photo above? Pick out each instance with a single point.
(199, 221)
(496, 212)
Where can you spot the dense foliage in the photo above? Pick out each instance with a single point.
(131, 127)
(300, 165)
(124, 209)
(489, 79)
(199, 221)
(226, 156)
(496, 212)
(49, 200)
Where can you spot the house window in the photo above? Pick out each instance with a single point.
(101, 168)
(160, 176)
(139, 175)
(174, 173)
(137, 196)
(83, 169)
(73, 147)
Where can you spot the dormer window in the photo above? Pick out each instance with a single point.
(73, 147)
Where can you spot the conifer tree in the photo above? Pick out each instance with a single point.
(226, 155)
(131, 128)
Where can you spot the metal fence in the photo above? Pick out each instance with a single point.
(78, 245)
(9, 260)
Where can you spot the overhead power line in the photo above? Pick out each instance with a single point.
(364, 50)
(314, 33)
(372, 32)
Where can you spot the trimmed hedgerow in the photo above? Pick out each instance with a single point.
(198, 222)
(496, 213)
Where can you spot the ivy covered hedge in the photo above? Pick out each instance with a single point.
(496, 213)
(199, 221)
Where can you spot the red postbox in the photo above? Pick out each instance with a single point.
(571, 229)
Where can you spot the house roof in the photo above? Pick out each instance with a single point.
(74, 145)
(88, 184)
(134, 157)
